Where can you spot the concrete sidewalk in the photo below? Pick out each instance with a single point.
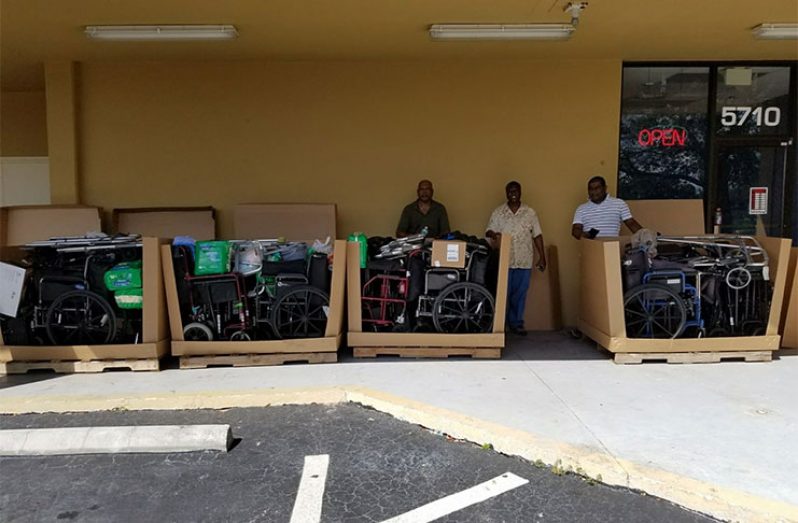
(730, 429)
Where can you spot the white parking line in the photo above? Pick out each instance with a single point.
(307, 507)
(444, 506)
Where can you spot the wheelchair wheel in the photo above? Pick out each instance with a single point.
(300, 312)
(463, 308)
(240, 336)
(80, 318)
(197, 332)
(654, 311)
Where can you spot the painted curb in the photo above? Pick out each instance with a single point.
(115, 440)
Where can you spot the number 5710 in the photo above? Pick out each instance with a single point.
(737, 116)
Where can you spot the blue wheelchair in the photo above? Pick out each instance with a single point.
(711, 286)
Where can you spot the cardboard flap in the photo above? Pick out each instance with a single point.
(167, 222)
(292, 221)
(25, 224)
(778, 250)
(789, 320)
(601, 304)
(543, 307)
(670, 217)
(335, 320)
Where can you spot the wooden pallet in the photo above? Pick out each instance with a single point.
(70, 367)
(254, 360)
(627, 358)
(428, 352)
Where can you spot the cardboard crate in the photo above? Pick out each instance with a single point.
(601, 310)
(167, 222)
(425, 344)
(304, 222)
(789, 318)
(26, 224)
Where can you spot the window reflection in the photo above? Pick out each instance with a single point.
(753, 101)
(664, 130)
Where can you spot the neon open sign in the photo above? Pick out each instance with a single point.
(664, 137)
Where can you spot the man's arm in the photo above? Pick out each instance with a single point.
(628, 219)
(633, 225)
(577, 227)
(541, 265)
(493, 224)
(404, 224)
(444, 222)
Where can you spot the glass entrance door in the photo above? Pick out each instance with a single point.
(752, 189)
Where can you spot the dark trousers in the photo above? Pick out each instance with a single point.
(517, 286)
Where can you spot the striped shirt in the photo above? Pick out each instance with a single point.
(605, 216)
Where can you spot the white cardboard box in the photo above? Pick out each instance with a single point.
(12, 278)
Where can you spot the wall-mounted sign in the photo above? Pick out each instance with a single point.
(663, 137)
(737, 116)
(758, 200)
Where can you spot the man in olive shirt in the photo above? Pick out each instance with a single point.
(424, 212)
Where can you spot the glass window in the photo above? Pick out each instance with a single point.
(664, 129)
(744, 171)
(753, 101)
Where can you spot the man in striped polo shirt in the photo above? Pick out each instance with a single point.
(602, 215)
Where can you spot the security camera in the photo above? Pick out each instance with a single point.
(575, 9)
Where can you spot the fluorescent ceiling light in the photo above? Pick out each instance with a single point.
(501, 31)
(161, 32)
(776, 31)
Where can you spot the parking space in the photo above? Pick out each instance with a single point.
(377, 468)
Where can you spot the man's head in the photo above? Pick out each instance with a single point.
(513, 191)
(425, 191)
(597, 189)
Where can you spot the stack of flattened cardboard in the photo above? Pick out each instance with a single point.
(167, 222)
(294, 222)
(21, 225)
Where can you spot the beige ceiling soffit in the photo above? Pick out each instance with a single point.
(161, 32)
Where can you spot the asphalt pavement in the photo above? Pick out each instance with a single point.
(378, 468)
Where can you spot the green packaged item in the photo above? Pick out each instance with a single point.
(129, 298)
(360, 238)
(126, 275)
(212, 257)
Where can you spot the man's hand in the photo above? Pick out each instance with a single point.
(493, 235)
(541, 265)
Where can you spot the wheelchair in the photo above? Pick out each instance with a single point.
(65, 301)
(403, 292)
(256, 300)
(695, 286)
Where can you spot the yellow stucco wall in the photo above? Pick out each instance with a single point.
(23, 123)
(360, 134)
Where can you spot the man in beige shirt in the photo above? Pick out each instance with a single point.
(520, 223)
